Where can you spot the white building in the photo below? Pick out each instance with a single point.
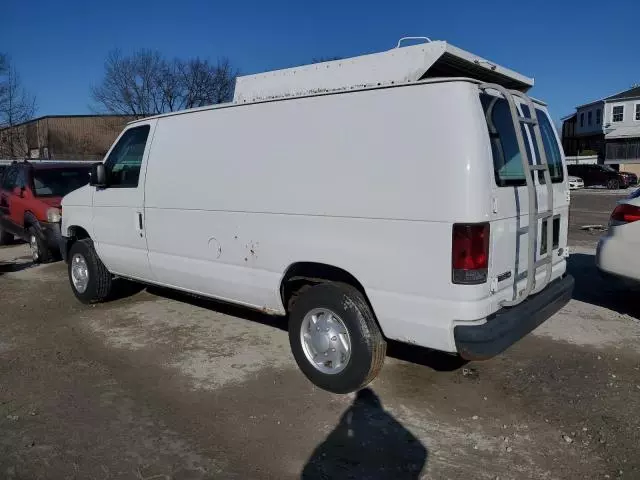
(610, 127)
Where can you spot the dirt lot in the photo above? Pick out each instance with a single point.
(591, 207)
(157, 385)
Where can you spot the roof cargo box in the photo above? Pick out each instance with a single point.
(397, 66)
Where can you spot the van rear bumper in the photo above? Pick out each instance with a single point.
(507, 326)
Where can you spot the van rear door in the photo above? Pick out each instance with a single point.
(510, 202)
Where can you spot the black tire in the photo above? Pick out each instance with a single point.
(613, 184)
(100, 280)
(6, 238)
(368, 346)
(39, 250)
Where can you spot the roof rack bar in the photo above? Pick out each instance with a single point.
(530, 121)
(395, 67)
(426, 40)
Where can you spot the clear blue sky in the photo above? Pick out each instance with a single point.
(575, 52)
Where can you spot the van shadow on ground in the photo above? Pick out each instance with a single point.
(15, 265)
(10, 263)
(439, 361)
(9, 267)
(368, 442)
(596, 289)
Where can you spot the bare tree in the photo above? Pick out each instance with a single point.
(146, 83)
(16, 107)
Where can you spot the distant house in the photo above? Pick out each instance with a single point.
(62, 137)
(610, 127)
(570, 142)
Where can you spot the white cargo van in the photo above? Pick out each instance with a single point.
(417, 195)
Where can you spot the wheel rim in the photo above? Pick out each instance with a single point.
(79, 273)
(35, 250)
(325, 341)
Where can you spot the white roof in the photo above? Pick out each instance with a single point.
(396, 66)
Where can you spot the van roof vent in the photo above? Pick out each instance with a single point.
(397, 66)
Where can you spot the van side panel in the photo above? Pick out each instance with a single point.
(369, 181)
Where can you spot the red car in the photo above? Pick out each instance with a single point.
(30, 196)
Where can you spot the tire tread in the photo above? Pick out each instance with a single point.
(102, 278)
(367, 336)
(375, 339)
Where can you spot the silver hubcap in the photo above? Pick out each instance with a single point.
(325, 341)
(33, 245)
(79, 273)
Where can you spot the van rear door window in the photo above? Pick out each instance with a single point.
(507, 160)
(551, 148)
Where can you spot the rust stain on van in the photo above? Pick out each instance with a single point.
(253, 248)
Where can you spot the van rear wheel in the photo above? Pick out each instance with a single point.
(335, 339)
(90, 280)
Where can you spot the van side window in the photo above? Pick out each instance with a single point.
(507, 162)
(125, 159)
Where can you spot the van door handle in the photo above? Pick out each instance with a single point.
(140, 224)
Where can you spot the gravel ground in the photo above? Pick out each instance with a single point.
(158, 385)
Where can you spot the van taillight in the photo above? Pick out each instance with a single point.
(470, 253)
(626, 213)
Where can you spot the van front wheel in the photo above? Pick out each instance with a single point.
(335, 339)
(90, 280)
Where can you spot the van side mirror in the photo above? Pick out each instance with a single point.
(98, 175)
(19, 191)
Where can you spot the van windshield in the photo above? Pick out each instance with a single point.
(57, 182)
(507, 160)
